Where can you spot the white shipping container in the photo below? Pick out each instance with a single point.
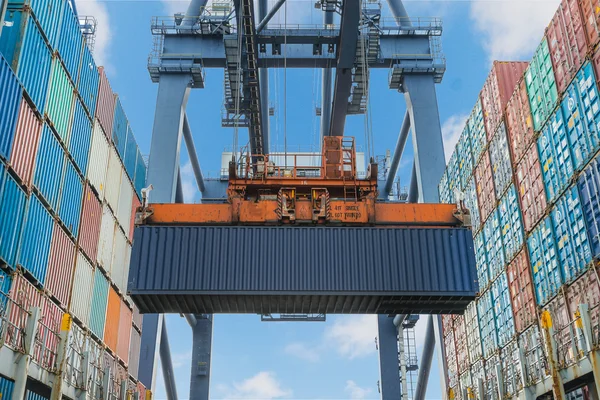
(511, 369)
(466, 385)
(125, 203)
(98, 162)
(118, 269)
(113, 179)
(107, 237)
(81, 293)
(477, 374)
(473, 336)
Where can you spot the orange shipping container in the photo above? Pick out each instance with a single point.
(27, 137)
(124, 333)
(113, 314)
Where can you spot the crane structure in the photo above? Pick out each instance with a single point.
(260, 193)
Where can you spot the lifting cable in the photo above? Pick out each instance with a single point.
(365, 74)
(285, 87)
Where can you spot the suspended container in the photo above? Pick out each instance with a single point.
(113, 180)
(70, 202)
(124, 333)
(494, 249)
(503, 312)
(510, 223)
(545, 263)
(484, 182)
(519, 125)
(36, 239)
(25, 49)
(572, 242)
(82, 289)
(91, 221)
(107, 237)
(81, 137)
(9, 107)
(522, 295)
(483, 275)
(25, 146)
(120, 127)
(500, 158)
(140, 173)
(472, 204)
(477, 132)
(532, 343)
(60, 266)
(99, 304)
(60, 101)
(487, 324)
(98, 160)
(89, 81)
(131, 150)
(12, 209)
(113, 312)
(464, 158)
(70, 42)
(49, 167)
(541, 86)
(105, 109)
(530, 186)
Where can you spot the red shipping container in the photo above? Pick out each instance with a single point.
(484, 183)
(460, 343)
(124, 333)
(519, 122)
(567, 42)
(521, 291)
(27, 137)
(48, 335)
(91, 220)
(60, 265)
(586, 290)
(531, 188)
(105, 109)
(498, 87)
(23, 296)
(135, 204)
(590, 13)
(113, 314)
(596, 62)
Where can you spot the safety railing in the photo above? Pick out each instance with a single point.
(75, 359)
(536, 363)
(567, 339)
(430, 26)
(13, 319)
(45, 350)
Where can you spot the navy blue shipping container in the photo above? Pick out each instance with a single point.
(25, 49)
(6, 387)
(49, 166)
(140, 173)
(589, 190)
(47, 12)
(70, 201)
(131, 151)
(119, 133)
(89, 81)
(300, 269)
(10, 99)
(81, 137)
(12, 209)
(36, 239)
(70, 42)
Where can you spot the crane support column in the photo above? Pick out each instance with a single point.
(426, 359)
(326, 88)
(167, 364)
(400, 145)
(189, 144)
(201, 357)
(389, 369)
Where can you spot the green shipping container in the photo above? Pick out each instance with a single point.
(541, 86)
(60, 101)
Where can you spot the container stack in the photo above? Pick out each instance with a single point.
(71, 174)
(530, 176)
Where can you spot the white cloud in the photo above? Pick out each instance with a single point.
(181, 359)
(511, 29)
(353, 336)
(303, 351)
(356, 392)
(188, 183)
(104, 34)
(451, 131)
(262, 386)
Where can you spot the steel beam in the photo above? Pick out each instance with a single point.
(167, 364)
(191, 148)
(400, 144)
(262, 13)
(179, 191)
(413, 191)
(193, 12)
(426, 358)
(263, 77)
(389, 369)
(201, 357)
(326, 89)
(399, 12)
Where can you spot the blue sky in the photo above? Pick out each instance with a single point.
(336, 359)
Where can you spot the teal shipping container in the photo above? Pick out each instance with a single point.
(541, 86)
(500, 159)
(99, 304)
(464, 158)
(12, 210)
(50, 162)
(89, 81)
(81, 137)
(494, 249)
(9, 107)
(70, 42)
(36, 239)
(131, 150)
(511, 223)
(119, 132)
(477, 132)
(472, 204)
(140, 173)
(503, 314)
(545, 263)
(71, 198)
(487, 324)
(483, 275)
(60, 101)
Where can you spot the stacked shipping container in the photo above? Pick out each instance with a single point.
(534, 164)
(70, 182)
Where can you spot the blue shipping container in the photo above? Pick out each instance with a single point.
(5, 285)
(99, 304)
(36, 240)
(581, 110)
(140, 173)
(26, 51)
(494, 250)
(81, 137)
(571, 235)
(545, 264)
(500, 158)
(119, 133)
(6, 387)
(589, 189)
(555, 157)
(49, 166)
(483, 274)
(30, 395)
(70, 42)
(465, 158)
(89, 81)
(512, 226)
(477, 132)
(9, 107)
(47, 12)
(472, 204)
(131, 151)
(487, 324)
(70, 201)
(503, 313)
(12, 209)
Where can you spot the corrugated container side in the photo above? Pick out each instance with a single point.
(60, 101)
(567, 42)
(134, 353)
(555, 157)
(105, 108)
(76, 347)
(503, 312)
(511, 370)
(96, 351)
(124, 333)
(25, 145)
(107, 237)
(490, 381)
(60, 265)
(572, 242)
(531, 188)
(465, 158)
(494, 249)
(589, 190)
(486, 194)
(521, 291)
(471, 203)
(453, 176)
(9, 107)
(24, 295)
(472, 333)
(519, 124)
(113, 313)
(487, 324)
(462, 348)
(119, 268)
(500, 159)
(6, 387)
(545, 264)
(48, 13)
(25, 49)
(591, 20)
(113, 180)
(510, 222)
(140, 173)
(98, 160)
(586, 290)
(447, 324)
(451, 362)
(477, 373)
(70, 42)
(120, 125)
(91, 220)
(541, 86)
(444, 189)
(532, 343)
(89, 80)
(477, 131)
(5, 287)
(137, 318)
(125, 203)
(70, 199)
(81, 137)
(49, 166)
(46, 350)
(12, 210)
(82, 289)
(36, 239)
(563, 331)
(483, 274)
(131, 150)
(99, 304)
(581, 110)
(31, 395)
